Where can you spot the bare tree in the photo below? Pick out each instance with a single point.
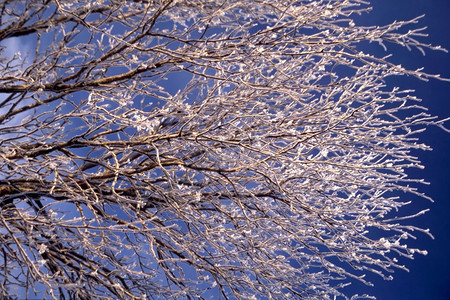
(200, 148)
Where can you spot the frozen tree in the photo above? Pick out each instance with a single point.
(190, 149)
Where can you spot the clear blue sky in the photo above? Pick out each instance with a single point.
(429, 276)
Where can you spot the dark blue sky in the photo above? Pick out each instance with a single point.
(429, 276)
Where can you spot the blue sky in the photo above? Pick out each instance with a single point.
(429, 276)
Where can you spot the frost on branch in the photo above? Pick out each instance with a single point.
(189, 149)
